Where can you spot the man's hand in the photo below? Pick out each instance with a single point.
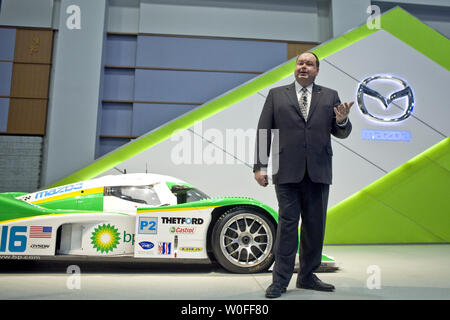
(261, 178)
(342, 111)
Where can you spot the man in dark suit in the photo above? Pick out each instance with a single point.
(301, 118)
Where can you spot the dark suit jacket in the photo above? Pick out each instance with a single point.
(300, 144)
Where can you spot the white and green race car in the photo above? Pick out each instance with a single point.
(139, 216)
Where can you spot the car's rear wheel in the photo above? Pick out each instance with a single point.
(243, 240)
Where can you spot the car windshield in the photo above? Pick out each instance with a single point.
(138, 194)
(186, 194)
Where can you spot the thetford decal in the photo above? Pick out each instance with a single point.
(180, 220)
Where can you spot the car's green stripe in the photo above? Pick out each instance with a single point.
(12, 209)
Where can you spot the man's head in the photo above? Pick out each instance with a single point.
(306, 68)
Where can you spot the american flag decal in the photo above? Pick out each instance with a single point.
(40, 232)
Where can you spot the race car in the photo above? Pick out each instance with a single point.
(139, 216)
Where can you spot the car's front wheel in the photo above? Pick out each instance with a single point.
(243, 240)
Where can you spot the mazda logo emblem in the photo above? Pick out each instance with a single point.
(365, 90)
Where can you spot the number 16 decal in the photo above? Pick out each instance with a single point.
(17, 242)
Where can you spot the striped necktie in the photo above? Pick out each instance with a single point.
(303, 102)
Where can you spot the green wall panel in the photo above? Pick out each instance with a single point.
(411, 204)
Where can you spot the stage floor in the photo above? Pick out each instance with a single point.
(372, 272)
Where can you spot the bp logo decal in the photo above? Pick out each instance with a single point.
(105, 238)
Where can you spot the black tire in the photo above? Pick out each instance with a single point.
(243, 239)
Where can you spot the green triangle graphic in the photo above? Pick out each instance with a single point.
(410, 204)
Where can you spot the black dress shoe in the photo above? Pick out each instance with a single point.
(315, 283)
(275, 290)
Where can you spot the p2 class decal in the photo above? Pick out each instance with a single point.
(148, 225)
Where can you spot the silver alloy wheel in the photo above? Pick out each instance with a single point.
(246, 240)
